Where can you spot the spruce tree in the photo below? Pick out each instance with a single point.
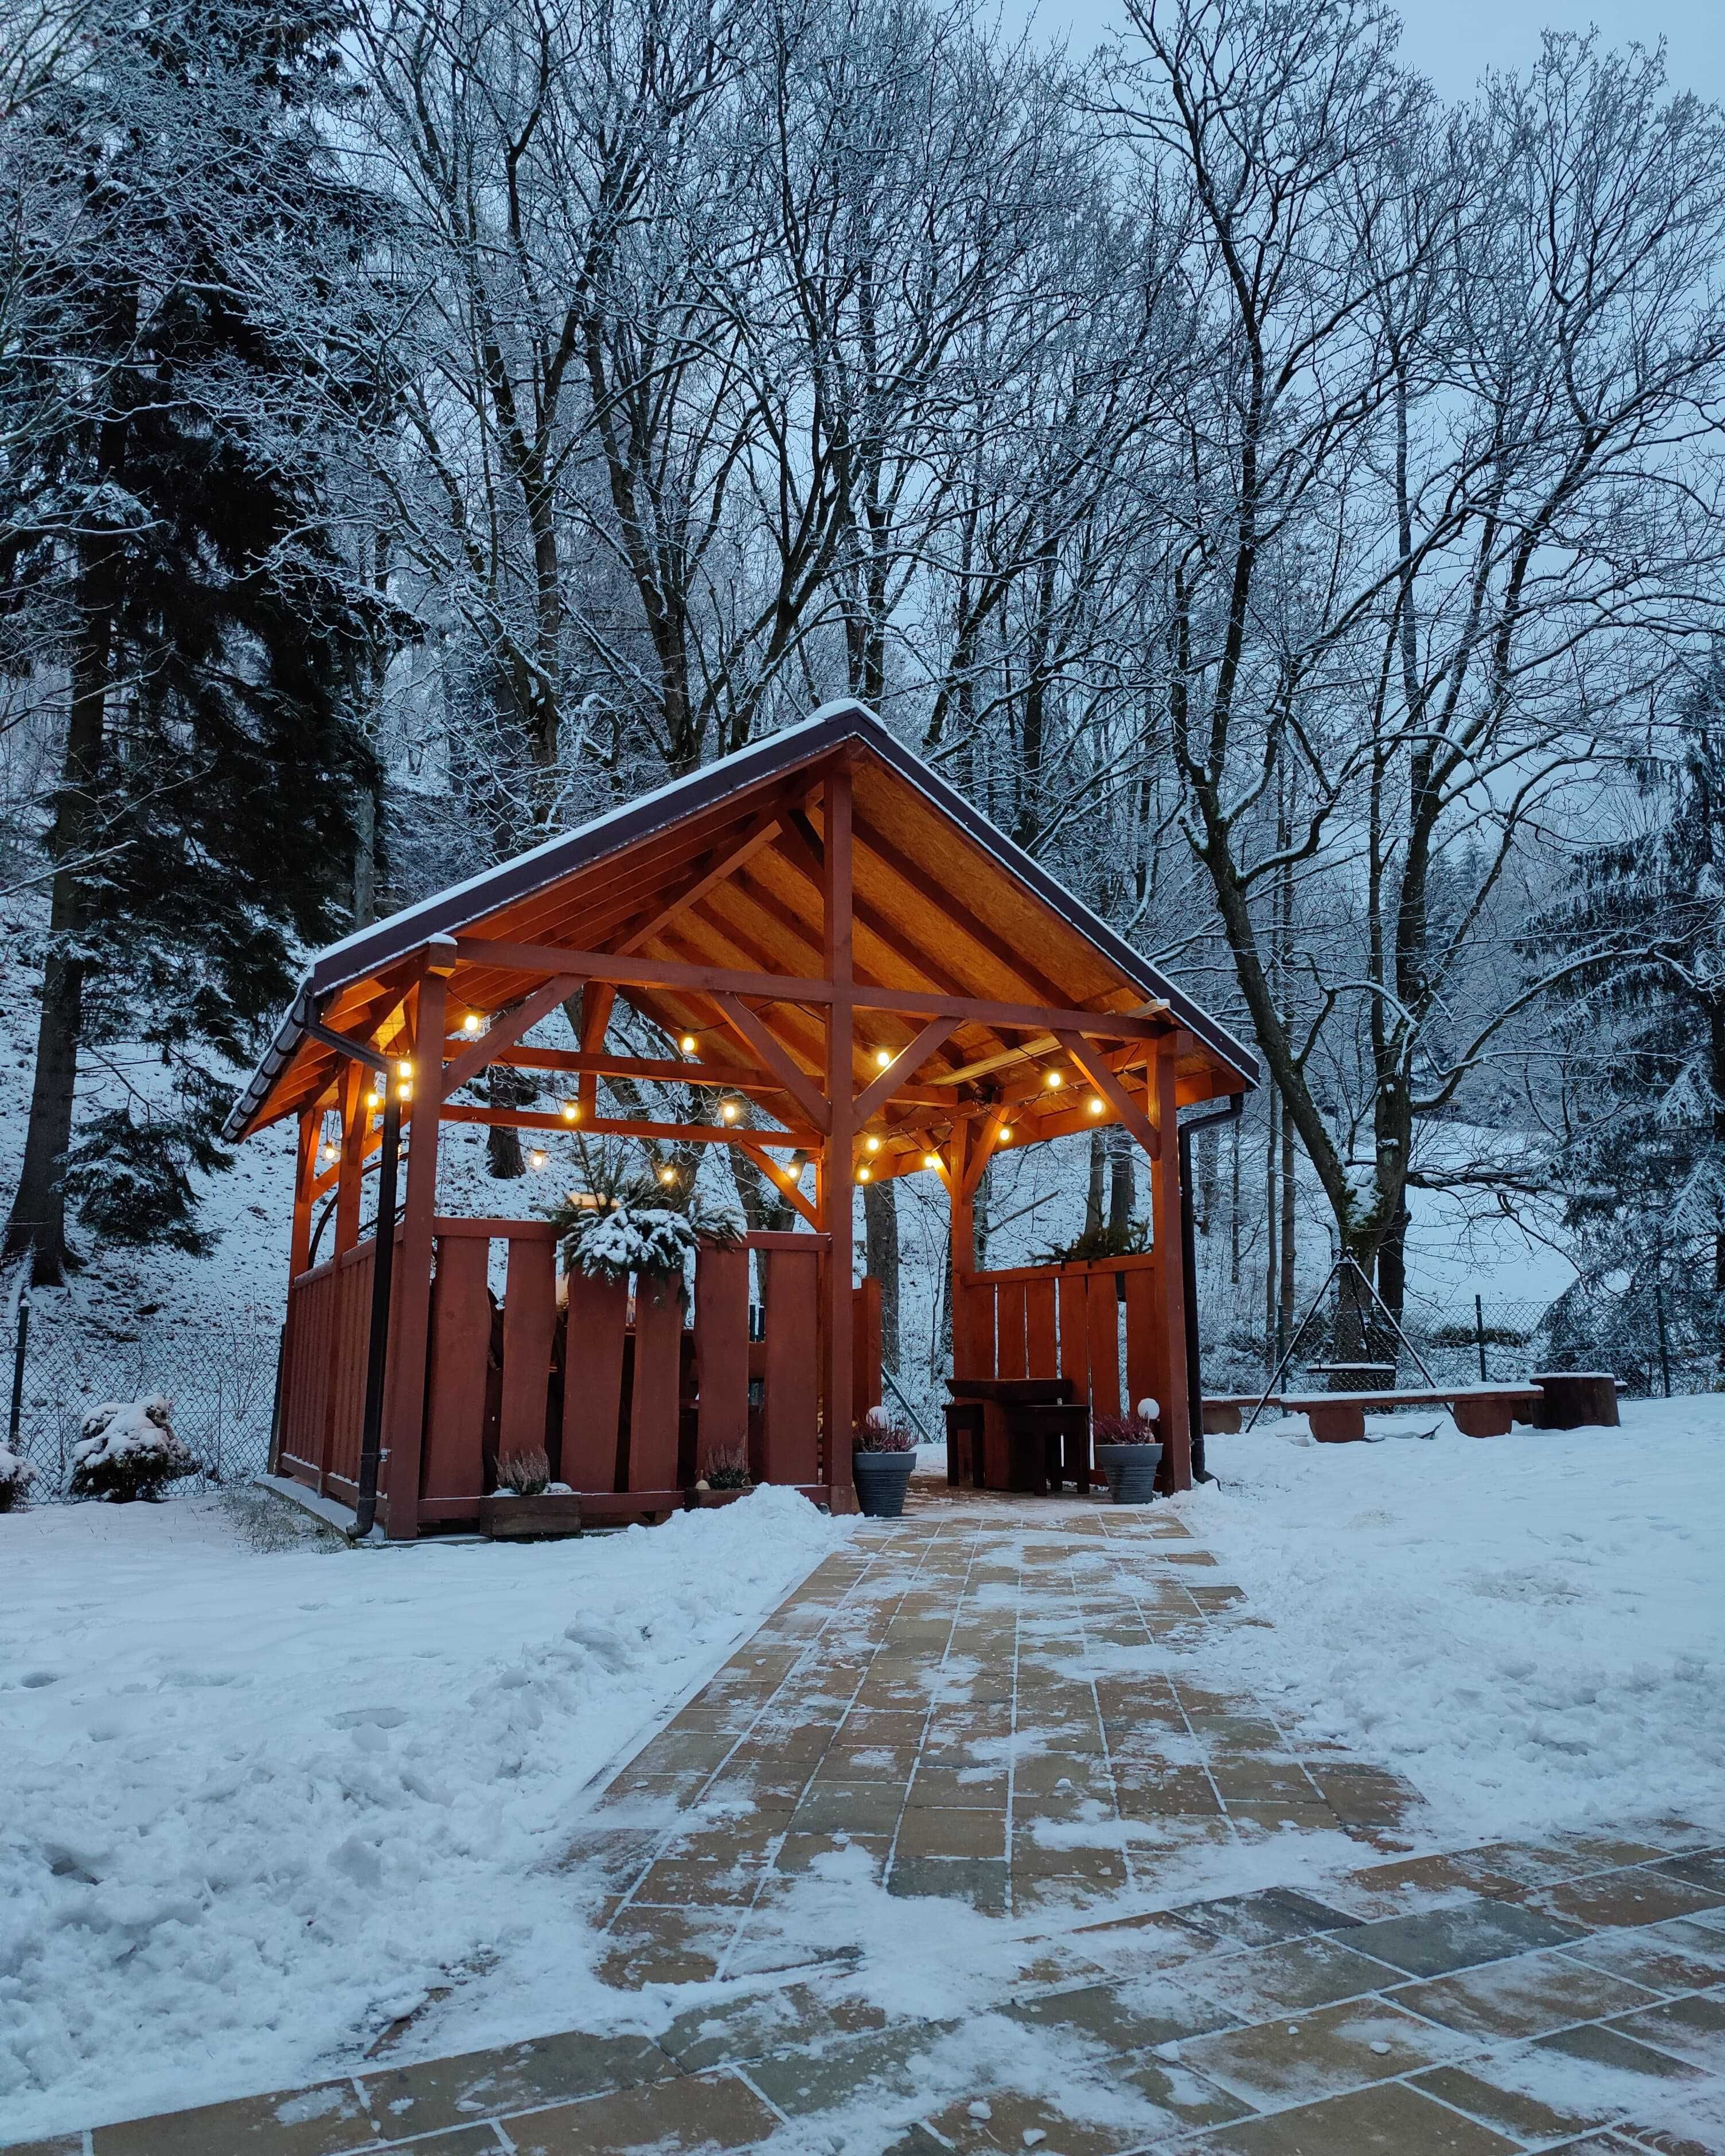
(170, 565)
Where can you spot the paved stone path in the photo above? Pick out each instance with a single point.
(986, 1711)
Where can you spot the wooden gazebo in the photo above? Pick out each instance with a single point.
(871, 979)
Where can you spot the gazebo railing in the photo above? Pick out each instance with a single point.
(1092, 1323)
(628, 1401)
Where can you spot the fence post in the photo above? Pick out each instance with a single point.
(1479, 1334)
(21, 1340)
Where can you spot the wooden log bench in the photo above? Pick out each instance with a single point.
(1485, 1410)
(1577, 1399)
(1222, 1411)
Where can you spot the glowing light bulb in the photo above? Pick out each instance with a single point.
(537, 1158)
(667, 1175)
(1095, 1104)
(1055, 1080)
(472, 1022)
(405, 1070)
(883, 1056)
(729, 1110)
(873, 1144)
(930, 1160)
(862, 1175)
(404, 1090)
(571, 1110)
(687, 1043)
(1006, 1134)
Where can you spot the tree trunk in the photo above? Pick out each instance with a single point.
(1122, 1185)
(1271, 1268)
(1284, 1296)
(1093, 1195)
(881, 1242)
(507, 1087)
(38, 1221)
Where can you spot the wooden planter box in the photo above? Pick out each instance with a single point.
(707, 1501)
(530, 1519)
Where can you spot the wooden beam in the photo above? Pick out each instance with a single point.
(404, 1411)
(597, 1000)
(360, 1051)
(505, 1031)
(717, 866)
(1012, 1017)
(837, 946)
(305, 1196)
(982, 1147)
(637, 972)
(904, 1065)
(1095, 1067)
(618, 1126)
(788, 1191)
(795, 1081)
(731, 1077)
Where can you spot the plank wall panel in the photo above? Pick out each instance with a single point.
(1041, 1354)
(529, 1317)
(653, 1394)
(1009, 1329)
(452, 1464)
(1143, 1356)
(1074, 1332)
(1104, 1346)
(593, 1382)
(790, 1440)
(721, 1352)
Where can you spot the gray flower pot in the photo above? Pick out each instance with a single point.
(1131, 1470)
(882, 1479)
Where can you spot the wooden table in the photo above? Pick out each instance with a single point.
(1023, 1433)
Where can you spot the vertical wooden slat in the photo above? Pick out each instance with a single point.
(653, 1398)
(835, 1183)
(1143, 1356)
(1009, 1329)
(453, 1465)
(1042, 1359)
(790, 1442)
(305, 1170)
(592, 1381)
(530, 1317)
(864, 1347)
(722, 1350)
(1104, 1307)
(1074, 1332)
(974, 1328)
(355, 1121)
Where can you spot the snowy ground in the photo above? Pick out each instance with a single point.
(1531, 1628)
(256, 1804)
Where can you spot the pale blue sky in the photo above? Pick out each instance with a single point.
(1453, 40)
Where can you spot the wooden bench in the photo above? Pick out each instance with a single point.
(1485, 1410)
(1222, 1412)
(1577, 1400)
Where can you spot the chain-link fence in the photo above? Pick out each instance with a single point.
(220, 1375)
(1655, 1339)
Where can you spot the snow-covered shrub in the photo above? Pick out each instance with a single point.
(655, 1241)
(127, 1450)
(16, 1476)
(528, 1473)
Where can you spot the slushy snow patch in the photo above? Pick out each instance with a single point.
(1531, 1628)
(256, 1806)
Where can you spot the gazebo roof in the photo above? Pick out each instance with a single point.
(722, 868)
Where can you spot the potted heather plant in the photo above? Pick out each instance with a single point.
(726, 1478)
(527, 1505)
(1129, 1453)
(883, 1453)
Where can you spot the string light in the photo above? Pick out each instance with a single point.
(1055, 1080)
(404, 1090)
(873, 1144)
(883, 1056)
(404, 1069)
(667, 1175)
(472, 1022)
(572, 1112)
(729, 1110)
(1006, 1134)
(862, 1175)
(1095, 1104)
(930, 1160)
(688, 1044)
(536, 1157)
(374, 1099)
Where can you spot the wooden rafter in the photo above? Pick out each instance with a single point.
(536, 1119)
(802, 1089)
(1095, 1068)
(904, 1066)
(788, 1191)
(505, 1031)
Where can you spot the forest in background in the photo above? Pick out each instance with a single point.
(1286, 502)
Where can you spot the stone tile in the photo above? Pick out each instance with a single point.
(960, 1786)
(724, 2032)
(1318, 2053)
(1596, 2046)
(324, 2120)
(1701, 1867)
(69, 2145)
(664, 1946)
(1297, 1975)
(1043, 1773)
(1515, 2094)
(933, 1832)
(1004, 2119)
(1440, 1941)
(891, 2062)
(1635, 1896)
(865, 1762)
(1131, 2016)
(1393, 2120)
(1265, 1919)
(980, 1883)
(1064, 1879)
(1691, 2029)
(417, 2098)
(850, 1807)
(673, 2118)
(1682, 1954)
(1525, 1996)
(800, 1852)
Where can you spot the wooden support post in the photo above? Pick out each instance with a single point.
(597, 999)
(304, 1174)
(356, 1084)
(961, 1186)
(1171, 1278)
(835, 1180)
(404, 1419)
